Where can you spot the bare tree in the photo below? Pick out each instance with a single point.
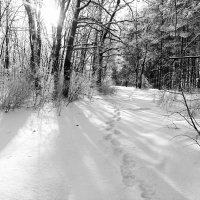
(70, 43)
(35, 40)
(64, 5)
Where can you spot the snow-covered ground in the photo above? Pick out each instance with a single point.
(118, 147)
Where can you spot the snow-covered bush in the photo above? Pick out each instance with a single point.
(185, 104)
(107, 87)
(80, 86)
(167, 99)
(14, 94)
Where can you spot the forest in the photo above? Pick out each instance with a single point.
(99, 99)
(151, 44)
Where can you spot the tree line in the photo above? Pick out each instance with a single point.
(154, 46)
(161, 45)
(84, 41)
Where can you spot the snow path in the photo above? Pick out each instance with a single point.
(110, 148)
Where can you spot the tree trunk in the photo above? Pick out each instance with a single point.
(94, 59)
(142, 70)
(35, 42)
(57, 48)
(105, 31)
(7, 59)
(69, 50)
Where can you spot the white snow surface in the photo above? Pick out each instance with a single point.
(120, 147)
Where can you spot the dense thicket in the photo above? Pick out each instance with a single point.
(162, 45)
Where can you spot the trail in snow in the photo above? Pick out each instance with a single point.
(116, 148)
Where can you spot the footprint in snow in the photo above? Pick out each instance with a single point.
(116, 115)
(108, 128)
(128, 159)
(118, 119)
(108, 136)
(115, 142)
(117, 150)
(148, 191)
(117, 132)
(111, 122)
(129, 181)
(110, 125)
(128, 170)
(112, 132)
(115, 118)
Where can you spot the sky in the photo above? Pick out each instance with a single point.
(140, 5)
(50, 12)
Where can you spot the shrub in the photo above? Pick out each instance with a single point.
(107, 89)
(14, 94)
(80, 86)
